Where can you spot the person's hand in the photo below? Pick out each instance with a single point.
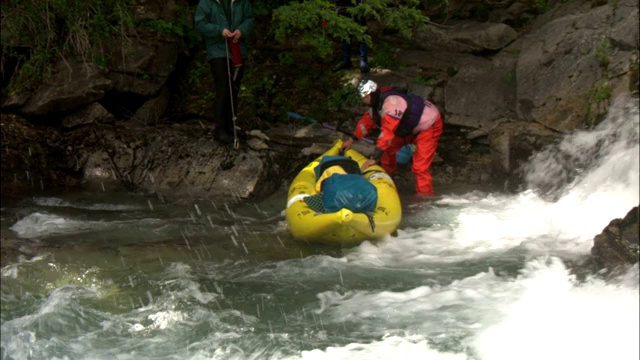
(346, 145)
(236, 35)
(368, 163)
(227, 34)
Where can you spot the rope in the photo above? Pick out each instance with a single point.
(236, 143)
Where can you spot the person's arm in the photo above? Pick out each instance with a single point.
(204, 12)
(387, 131)
(389, 125)
(364, 126)
(248, 21)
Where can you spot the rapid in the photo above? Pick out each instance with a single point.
(477, 275)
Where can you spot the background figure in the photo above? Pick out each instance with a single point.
(403, 119)
(345, 63)
(225, 26)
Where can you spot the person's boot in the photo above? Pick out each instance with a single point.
(364, 63)
(346, 58)
(222, 136)
(344, 64)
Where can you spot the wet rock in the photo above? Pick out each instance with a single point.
(72, 86)
(151, 57)
(618, 246)
(466, 37)
(152, 110)
(512, 144)
(92, 114)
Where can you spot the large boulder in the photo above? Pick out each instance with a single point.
(142, 65)
(618, 246)
(465, 37)
(34, 158)
(512, 144)
(565, 65)
(478, 95)
(184, 160)
(72, 86)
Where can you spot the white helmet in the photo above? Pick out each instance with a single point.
(366, 87)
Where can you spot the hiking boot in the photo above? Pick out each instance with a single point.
(342, 65)
(364, 67)
(241, 134)
(222, 137)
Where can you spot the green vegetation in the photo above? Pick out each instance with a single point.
(343, 96)
(509, 77)
(37, 33)
(199, 70)
(604, 52)
(599, 96)
(429, 81)
(541, 6)
(314, 30)
(304, 20)
(383, 55)
(601, 91)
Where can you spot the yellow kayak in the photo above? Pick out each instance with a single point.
(343, 227)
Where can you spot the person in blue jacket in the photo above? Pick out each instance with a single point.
(225, 25)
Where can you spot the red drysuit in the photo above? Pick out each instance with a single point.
(425, 136)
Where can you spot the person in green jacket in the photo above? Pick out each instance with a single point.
(225, 25)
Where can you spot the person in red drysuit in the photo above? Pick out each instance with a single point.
(403, 119)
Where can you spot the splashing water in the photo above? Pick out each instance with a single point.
(468, 277)
(589, 161)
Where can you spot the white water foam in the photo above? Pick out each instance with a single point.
(544, 313)
(41, 224)
(556, 318)
(390, 347)
(607, 189)
(57, 202)
(540, 312)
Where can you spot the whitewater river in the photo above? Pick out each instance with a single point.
(475, 275)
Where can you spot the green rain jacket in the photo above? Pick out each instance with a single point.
(210, 20)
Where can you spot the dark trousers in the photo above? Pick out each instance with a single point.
(346, 45)
(223, 107)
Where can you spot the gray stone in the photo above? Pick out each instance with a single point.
(618, 246)
(151, 111)
(91, 114)
(72, 86)
(465, 37)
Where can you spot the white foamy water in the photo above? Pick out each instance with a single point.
(41, 224)
(556, 318)
(38, 225)
(57, 202)
(475, 277)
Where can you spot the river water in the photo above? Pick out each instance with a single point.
(472, 275)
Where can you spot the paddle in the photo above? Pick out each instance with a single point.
(328, 126)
